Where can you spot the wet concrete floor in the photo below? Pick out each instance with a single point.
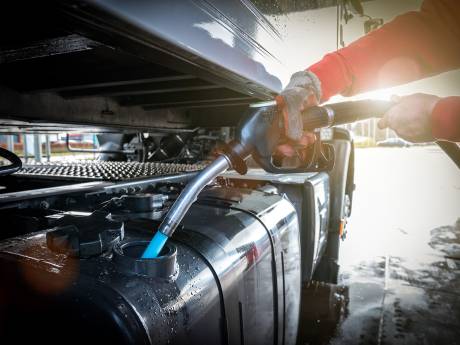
(399, 279)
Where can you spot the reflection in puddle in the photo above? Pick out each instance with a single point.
(390, 300)
(446, 239)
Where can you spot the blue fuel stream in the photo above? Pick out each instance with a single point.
(155, 246)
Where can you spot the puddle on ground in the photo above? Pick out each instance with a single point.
(413, 299)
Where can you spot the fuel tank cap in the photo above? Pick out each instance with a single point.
(85, 236)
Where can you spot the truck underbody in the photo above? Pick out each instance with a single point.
(147, 81)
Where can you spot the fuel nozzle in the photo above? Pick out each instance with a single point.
(255, 128)
(182, 204)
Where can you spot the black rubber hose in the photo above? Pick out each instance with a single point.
(451, 149)
(15, 165)
(352, 111)
(343, 113)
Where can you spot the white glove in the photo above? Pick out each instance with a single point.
(410, 117)
(303, 90)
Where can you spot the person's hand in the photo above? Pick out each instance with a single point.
(410, 117)
(303, 91)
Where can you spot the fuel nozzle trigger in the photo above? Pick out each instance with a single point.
(262, 130)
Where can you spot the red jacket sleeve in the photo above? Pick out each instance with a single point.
(412, 46)
(445, 119)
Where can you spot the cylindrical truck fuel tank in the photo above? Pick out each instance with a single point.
(229, 275)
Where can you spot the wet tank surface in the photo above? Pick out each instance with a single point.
(399, 280)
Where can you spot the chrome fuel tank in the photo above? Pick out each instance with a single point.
(231, 275)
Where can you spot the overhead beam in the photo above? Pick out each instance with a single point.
(142, 87)
(187, 97)
(224, 102)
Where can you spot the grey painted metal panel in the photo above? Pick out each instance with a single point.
(223, 35)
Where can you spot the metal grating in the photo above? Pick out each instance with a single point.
(104, 171)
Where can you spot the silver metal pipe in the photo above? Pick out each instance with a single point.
(189, 195)
(25, 148)
(48, 147)
(38, 148)
(10, 142)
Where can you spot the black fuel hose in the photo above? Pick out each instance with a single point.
(451, 149)
(15, 165)
(344, 112)
(352, 111)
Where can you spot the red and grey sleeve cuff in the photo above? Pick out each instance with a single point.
(445, 119)
(332, 71)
